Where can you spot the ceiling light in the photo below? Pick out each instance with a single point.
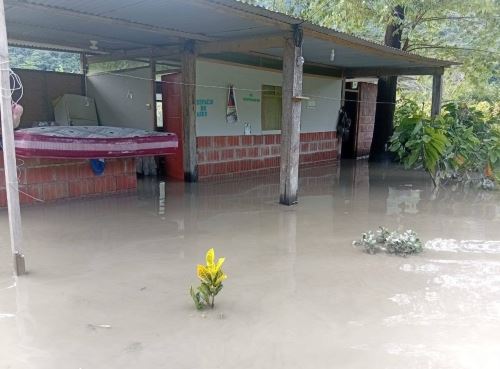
(93, 45)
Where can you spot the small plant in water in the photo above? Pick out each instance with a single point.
(368, 242)
(401, 244)
(211, 277)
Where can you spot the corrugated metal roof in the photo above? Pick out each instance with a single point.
(132, 24)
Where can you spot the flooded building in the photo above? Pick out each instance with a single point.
(243, 88)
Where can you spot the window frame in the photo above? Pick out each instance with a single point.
(275, 94)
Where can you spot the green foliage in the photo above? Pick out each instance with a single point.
(368, 242)
(401, 244)
(211, 277)
(463, 142)
(56, 61)
(463, 31)
(406, 108)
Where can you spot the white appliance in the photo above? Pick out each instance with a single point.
(75, 110)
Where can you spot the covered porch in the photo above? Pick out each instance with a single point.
(178, 33)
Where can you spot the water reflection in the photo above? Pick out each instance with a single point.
(354, 185)
(128, 261)
(402, 201)
(455, 293)
(472, 246)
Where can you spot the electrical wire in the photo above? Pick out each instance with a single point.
(330, 98)
(16, 87)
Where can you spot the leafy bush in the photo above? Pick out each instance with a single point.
(405, 108)
(463, 143)
(401, 244)
(368, 242)
(211, 277)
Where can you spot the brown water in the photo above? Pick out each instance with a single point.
(109, 278)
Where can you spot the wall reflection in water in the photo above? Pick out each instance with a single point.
(354, 186)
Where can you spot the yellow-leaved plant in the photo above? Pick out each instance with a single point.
(211, 277)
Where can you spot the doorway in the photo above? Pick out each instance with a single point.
(172, 122)
(351, 109)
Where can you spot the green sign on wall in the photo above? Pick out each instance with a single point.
(202, 104)
(251, 98)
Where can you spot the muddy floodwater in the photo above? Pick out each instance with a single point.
(109, 277)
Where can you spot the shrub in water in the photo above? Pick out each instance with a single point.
(368, 242)
(460, 145)
(211, 277)
(401, 244)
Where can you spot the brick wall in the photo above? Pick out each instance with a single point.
(49, 180)
(235, 154)
(41, 88)
(366, 118)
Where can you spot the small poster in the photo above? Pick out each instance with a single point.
(231, 110)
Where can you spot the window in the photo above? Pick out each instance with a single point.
(159, 104)
(55, 61)
(271, 108)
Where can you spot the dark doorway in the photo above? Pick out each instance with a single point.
(351, 109)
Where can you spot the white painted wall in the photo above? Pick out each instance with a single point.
(122, 101)
(319, 114)
(115, 107)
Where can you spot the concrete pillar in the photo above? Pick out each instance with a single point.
(188, 69)
(290, 125)
(437, 92)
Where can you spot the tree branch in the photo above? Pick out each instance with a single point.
(432, 19)
(413, 25)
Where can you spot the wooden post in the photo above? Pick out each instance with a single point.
(84, 65)
(85, 68)
(152, 65)
(290, 124)
(9, 154)
(342, 106)
(189, 111)
(437, 92)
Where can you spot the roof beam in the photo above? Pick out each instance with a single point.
(149, 52)
(108, 20)
(44, 44)
(370, 47)
(323, 70)
(91, 36)
(309, 67)
(242, 44)
(406, 71)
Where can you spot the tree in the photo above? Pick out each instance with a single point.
(25, 58)
(386, 92)
(464, 31)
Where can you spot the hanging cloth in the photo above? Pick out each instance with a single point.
(343, 125)
(231, 109)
